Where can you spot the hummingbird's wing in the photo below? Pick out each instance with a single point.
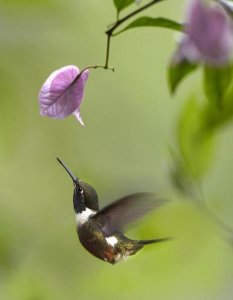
(125, 210)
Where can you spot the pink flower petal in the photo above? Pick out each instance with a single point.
(209, 34)
(76, 113)
(210, 31)
(61, 95)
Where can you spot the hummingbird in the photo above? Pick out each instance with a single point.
(100, 231)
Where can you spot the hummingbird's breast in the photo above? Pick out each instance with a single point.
(95, 242)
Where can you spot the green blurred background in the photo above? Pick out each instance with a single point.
(130, 122)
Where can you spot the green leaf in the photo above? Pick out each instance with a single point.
(121, 4)
(214, 117)
(195, 144)
(216, 83)
(153, 22)
(177, 72)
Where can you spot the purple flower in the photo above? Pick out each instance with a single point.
(209, 35)
(62, 93)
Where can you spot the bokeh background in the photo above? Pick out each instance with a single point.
(124, 148)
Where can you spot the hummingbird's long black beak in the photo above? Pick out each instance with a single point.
(74, 178)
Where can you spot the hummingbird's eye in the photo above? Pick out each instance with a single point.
(80, 190)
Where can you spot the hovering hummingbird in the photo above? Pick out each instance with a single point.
(100, 230)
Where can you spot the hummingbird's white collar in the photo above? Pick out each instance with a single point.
(111, 240)
(84, 216)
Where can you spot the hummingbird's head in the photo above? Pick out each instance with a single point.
(84, 195)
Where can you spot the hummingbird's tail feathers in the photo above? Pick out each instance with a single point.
(147, 242)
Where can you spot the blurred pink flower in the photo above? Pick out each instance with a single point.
(209, 35)
(62, 93)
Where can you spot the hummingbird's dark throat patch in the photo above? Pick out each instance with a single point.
(78, 200)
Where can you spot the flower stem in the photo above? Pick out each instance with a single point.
(98, 67)
(111, 30)
(92, 67)
(201, 203)
(107, 50)
(218, 221)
